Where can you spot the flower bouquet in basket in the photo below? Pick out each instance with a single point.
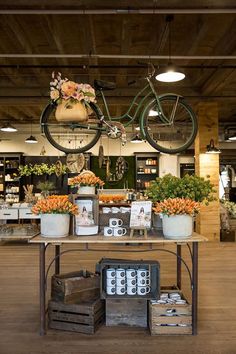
(55, 212)
(73, 99)
(86, 182)
(177, 215)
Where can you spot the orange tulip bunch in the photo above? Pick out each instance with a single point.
(55, 204)
(109, 198)
(177, 206)
(86, 180)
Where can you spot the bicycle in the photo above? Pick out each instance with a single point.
(167, 122)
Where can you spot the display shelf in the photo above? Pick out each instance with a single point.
(146, 169)
(9, 163)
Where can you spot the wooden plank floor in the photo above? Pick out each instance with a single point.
(19, 320)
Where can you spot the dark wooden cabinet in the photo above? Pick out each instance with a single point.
(146, 169)
(10, 183)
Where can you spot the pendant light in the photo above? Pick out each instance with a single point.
(8, 128)
(31, 139)
(212, 149)
(170, 73)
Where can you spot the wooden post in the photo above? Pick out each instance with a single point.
(208, 221)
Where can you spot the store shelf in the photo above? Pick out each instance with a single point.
(146, 162)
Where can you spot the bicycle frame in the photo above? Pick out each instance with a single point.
(139, 106)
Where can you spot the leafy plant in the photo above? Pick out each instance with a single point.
(230, 206)
(39, 169)
(45, 186)
(191, 187)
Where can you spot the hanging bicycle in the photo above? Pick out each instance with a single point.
(166, 121)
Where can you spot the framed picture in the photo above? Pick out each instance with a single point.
(85, 216)
(141, 214)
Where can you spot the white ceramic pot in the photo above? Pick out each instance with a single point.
(86, 190)
(55, 225)
(177, 226)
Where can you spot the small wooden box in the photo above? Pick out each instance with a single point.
(162, 323)
(83, 318)
(126, 312)
(76, 287)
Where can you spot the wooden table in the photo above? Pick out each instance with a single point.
(152, 240)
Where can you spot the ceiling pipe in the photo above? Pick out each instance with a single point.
(118, 56)
(154, 11)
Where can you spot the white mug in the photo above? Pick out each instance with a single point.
(111, 282)
(131, 273)
(120, 273)
(108, 231)
(119, 231)
(120, 290)
(106, 210)
(120, 282)
(143, 273)
(143, 290)
(131, 282)
(131, 290)
(115, 210)
(111, 290)
(143, 281)
(114, 222)
(111, 273)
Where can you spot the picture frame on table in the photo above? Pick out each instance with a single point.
(141, 214)
(87, 221)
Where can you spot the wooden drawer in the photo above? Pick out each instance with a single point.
(9, 214)
(26, 213)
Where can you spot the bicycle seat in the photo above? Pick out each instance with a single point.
(104, 85)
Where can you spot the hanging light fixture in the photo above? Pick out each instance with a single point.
(8, 128)
(31, 139)
(212, 149)
(136, 139)
(170, 73)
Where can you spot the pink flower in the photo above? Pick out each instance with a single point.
(69, 88)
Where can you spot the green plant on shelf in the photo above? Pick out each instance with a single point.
(193, 187)
(230, 206)
(40, 169)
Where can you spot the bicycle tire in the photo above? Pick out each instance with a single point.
(148, 132)
(45, 129)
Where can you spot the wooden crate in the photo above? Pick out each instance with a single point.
(152, 266)
(83, 318)
(80, 286)
(161, 323)
(125, 312)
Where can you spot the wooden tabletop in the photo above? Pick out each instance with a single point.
(153, 238)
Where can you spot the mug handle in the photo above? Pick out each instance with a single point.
(148, 282)
(148, 273)
(120, 222)
(148, 289)
(124, 231)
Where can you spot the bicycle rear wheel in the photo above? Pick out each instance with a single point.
(70, 137)
(174, 137)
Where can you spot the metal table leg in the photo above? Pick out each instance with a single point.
(57, 259)
(179, 263)
(42, 289)
(194, 288)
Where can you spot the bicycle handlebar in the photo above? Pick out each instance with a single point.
(150, 73)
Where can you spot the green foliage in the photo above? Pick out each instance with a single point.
(193, 187)
(45, 186)
(39, 169)
(231, 207)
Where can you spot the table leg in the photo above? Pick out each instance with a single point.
(42, 289)
(194, 288)
(179, 263)
(57, 259)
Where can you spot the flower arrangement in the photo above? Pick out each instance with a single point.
(190, 187)
(55, 204)
(111, 198)
(177, 206)
(40, 169)
(64, 89)
(86, 178)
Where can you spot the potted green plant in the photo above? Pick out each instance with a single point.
(45, 187)
(177, 214)
(191, 187)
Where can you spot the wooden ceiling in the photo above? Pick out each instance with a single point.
(93, 39)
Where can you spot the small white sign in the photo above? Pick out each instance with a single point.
(141, 214)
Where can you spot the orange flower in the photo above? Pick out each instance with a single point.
(86, 180)
(177, 206)
(55, 204)
(69, 88)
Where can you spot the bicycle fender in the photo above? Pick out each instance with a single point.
(170, 94)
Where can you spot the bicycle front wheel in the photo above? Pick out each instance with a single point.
(173, 136)
(71, 137)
